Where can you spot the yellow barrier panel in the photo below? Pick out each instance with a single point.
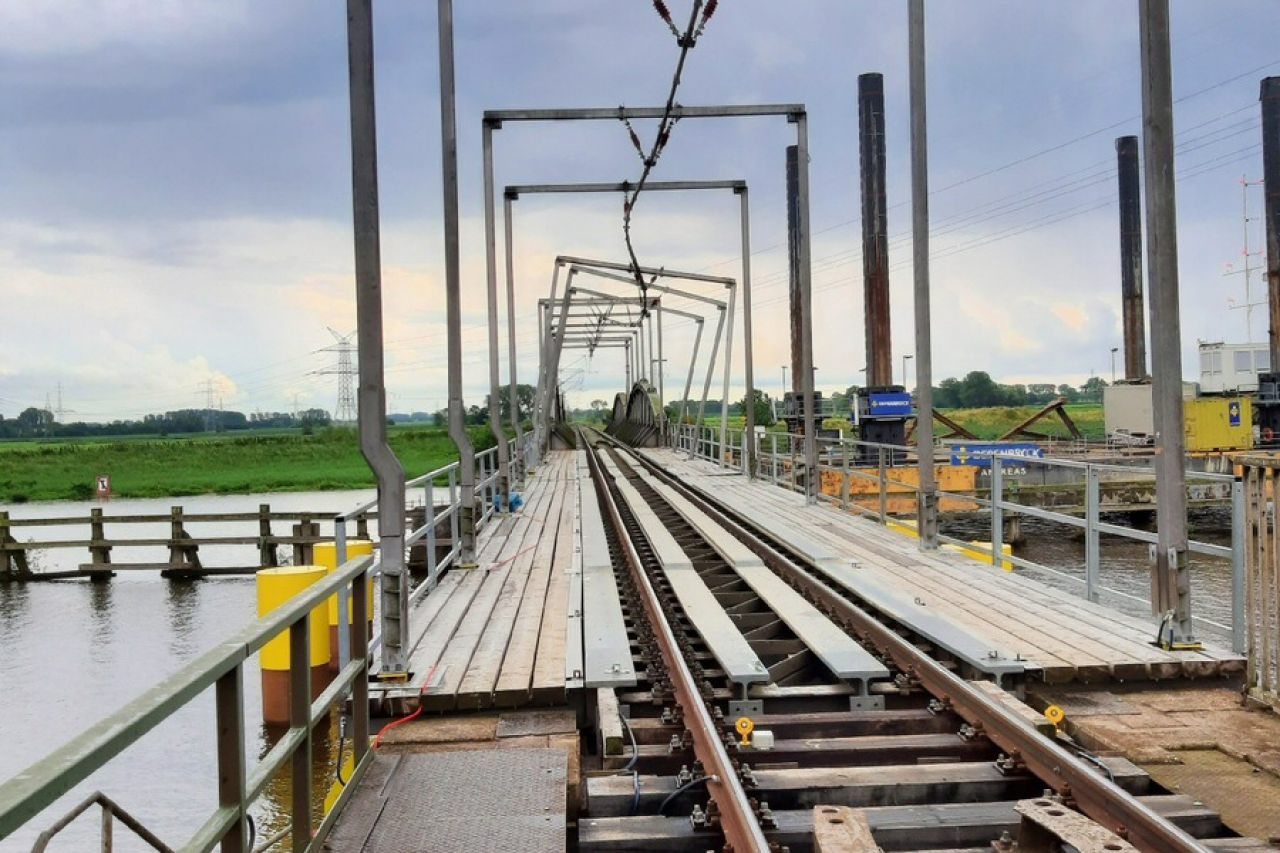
(981, 551)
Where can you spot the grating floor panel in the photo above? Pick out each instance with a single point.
(498, 800)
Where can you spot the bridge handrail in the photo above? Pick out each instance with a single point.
(40, 785)
(1262, 547)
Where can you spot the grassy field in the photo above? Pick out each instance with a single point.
(220, 464)
(991, 423)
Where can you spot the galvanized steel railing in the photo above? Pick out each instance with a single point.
(1262, 580)
(780, 460)
(222, 668)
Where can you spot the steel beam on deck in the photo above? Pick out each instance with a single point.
(1171, 578)
(453, 290)
(372, 395)
(688, 295)
(927, 514)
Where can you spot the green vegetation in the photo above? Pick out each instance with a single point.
(221, 464)
(995, 421)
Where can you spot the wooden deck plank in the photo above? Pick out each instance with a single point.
(548, 682)
(475, 688)
(516, 674)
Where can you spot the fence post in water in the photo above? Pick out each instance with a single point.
(266, 548)
(100, 551)
(997, 511)
(1238, 643)
(1092, 538)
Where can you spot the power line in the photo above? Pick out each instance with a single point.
(345, 411)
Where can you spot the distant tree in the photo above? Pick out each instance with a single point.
(1092, 389)
(1072, 395)
(763, 408)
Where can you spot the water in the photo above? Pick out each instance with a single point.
(76, 651)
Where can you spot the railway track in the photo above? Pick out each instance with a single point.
(859, 715)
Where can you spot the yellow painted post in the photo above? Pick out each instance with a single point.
(326, 554)
(275, 588)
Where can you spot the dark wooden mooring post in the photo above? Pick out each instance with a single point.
(99, 548)
(184, 553)
(305, 533)
(267, 558)
(13, 558)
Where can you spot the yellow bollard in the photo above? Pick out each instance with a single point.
(275, 588)
(326, 554)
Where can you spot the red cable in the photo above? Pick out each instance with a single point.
(377, 741)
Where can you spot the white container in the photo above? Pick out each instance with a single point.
(762, 739)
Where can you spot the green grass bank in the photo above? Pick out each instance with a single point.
(213, 464)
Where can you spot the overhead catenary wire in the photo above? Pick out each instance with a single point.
(686, 40)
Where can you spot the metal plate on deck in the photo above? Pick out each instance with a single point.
(493, 800)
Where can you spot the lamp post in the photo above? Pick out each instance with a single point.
(905, 358)
(1114, 350)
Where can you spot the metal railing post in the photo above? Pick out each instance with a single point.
(1092, 538)
(359, 638)
(882, 465)
(844, 475)
(300, 722)
(454, 513)
(433, 567)
(997, 511)
(773, 457)
(229, 705)
(340, 557)
(791, 441)
(1238, 642)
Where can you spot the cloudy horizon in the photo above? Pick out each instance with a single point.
(176, 206)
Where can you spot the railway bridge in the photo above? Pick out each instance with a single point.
(676, 640)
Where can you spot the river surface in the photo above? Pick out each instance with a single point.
(76, 651)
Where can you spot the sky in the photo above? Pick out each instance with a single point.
(175, 186)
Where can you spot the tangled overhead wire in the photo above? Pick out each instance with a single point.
(699, 15)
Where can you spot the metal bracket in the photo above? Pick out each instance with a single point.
(746, 708)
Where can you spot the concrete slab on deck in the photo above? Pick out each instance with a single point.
(1195, 740)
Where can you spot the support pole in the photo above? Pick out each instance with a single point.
(711, 367)
(1171, 583)
(662, 365)
(372, 418)
(1269, 95)
(688, 382)
(747, 355)
(1130, 190)
(806, 310)
(514, 388)
(728, 369)
(793, 267)
(502, 487)
(927, 518)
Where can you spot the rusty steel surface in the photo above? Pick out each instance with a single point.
(741, 830)
(1269, 95)
(1096, 796)
(875, 231)
(1130, 189)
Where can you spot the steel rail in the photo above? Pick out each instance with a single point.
(1097, 797)
(741, 830)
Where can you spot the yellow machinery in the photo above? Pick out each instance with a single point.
(1218, 423)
